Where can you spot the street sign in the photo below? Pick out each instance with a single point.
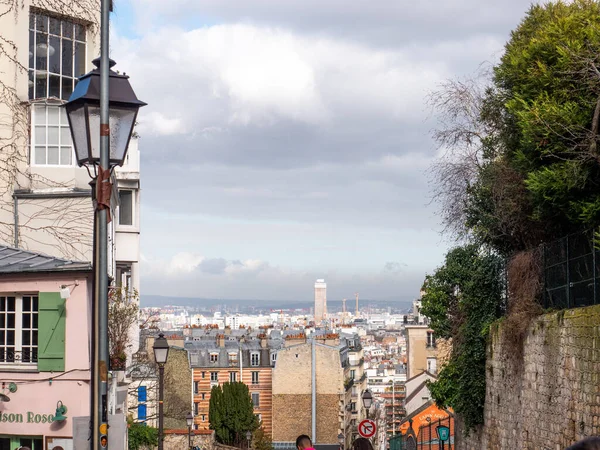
(443, 433)
(367, 428)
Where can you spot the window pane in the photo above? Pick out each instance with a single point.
(35, 324)
(54, 26)
(54, 86)
(67, 29)
(53, 155)
(79, 32)
(26, 337)
(40, 155)
(31, 84)
(31, 48)
(31, 21)
(54, 54)
(35, 306)
(67, 88)
(40, 114)
(10, 336)
(65, 156)
(53, 115)
(126, 210)
(65, 136)
(67, 58)
(41, 79)
(79, 59)
(40, 135)
(53, 135)
(34, 333)
(11, 304)
(41, 23)
(26, 321)
(41, 51)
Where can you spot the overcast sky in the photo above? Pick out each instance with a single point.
(288, 140)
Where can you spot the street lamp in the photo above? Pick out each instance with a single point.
(367, 399)
(248, 437)
(341, 441)
(190, 420)
(101, 112)
(161, 351)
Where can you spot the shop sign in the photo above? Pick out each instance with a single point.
(28, 417)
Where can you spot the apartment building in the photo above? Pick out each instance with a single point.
(421, 350)
(318, 364)
(223, 356)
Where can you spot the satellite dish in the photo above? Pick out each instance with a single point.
(4, 398)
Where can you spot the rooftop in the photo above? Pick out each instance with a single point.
(15, 260)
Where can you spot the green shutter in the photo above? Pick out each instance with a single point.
(51, 332)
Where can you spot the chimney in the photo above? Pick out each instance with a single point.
(221, 340)
(264, 342)
(228, 331)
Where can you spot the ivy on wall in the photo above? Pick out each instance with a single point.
(462, 299)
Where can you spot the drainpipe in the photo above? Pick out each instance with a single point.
(314, 392)
(16, 219)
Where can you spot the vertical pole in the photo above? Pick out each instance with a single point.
(161, 375)
(190, 437)
(314, 392)
(100, 413)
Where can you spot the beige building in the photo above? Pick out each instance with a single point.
(295, 382)
(320, 301)
(45, 198)
(421, 350)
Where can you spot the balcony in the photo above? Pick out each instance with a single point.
(358, 363)
(348, 384)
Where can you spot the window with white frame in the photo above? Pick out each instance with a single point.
(273, 358)
(57, 56)
(233, 358)
(51, 142)
(214, 376)
(19, 329)
(196, 408)
(196, 386)
(214, 357)
(232, 377)
(256, 399)
(255, 359)
(126, 204)
(254, 377)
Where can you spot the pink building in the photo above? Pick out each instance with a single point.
(44, 348)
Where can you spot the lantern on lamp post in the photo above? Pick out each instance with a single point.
(367, 399)
(101, 112)
(161, 352)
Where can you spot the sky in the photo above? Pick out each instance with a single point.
(289, 140)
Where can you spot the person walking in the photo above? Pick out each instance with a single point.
(591, 443)
(362, 444)
(303, 442)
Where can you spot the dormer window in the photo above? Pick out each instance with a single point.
(214, 357)
(233, 358)
(255, 359)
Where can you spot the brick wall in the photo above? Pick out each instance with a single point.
(549, 396)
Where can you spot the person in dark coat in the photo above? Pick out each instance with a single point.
(591, 443)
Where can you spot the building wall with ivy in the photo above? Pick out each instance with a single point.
(546, 393)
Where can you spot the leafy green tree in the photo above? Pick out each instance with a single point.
(261, 440)
(141, 437)
(524, 163)
(231, 413)
(462, 299)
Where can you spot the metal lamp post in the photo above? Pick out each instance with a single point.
(190, 421)
(367, 399)
(248, 437)
(101, 112)
(161, 352)
(341, 441)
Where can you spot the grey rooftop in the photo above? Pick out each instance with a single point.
(15, 260)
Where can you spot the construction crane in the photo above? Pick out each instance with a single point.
(344, 306)
(356, 294)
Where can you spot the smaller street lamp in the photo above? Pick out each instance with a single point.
(341, 441)
(190, 420)
(248, 437)
(161, 352)
(367, 399)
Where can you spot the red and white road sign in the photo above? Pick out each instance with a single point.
(367, 428)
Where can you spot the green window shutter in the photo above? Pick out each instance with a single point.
(51, 332)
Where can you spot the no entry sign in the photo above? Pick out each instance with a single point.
(367, 428)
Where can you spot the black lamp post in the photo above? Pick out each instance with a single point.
(161, 352)
(190, 421)
(101, 112)
(367, 399)
(341, 441)
(248, 437)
